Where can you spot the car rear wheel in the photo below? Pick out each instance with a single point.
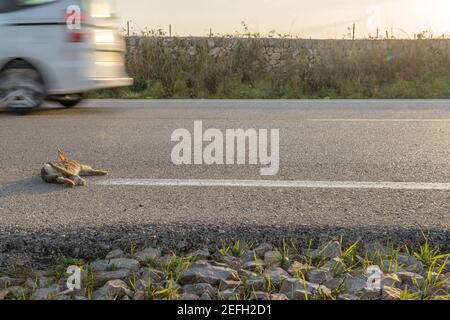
(21, 88)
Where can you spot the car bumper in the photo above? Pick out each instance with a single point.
(104, 83)
(91, 84)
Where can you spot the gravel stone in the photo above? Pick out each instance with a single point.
(231, 261)
(391, 280)
(411, 263)
(202, 254)
(124, 263)
(3, 294)
(115, 254)
(170, 284)
(147, 253)
(258, 283)
(298, 267)
(278, 296)
(34, 284)
(443, 290)
(248, 256)
(149, 275)
(112, 290)
(410, 278)
(272, 257)
(390, 266)
(199, 289)
(229, 284)
(298, 290)
(202, 263)
(256, 265)
(332, 250)
(376, 248)
(230, 294)
(18, 292)
(312, 253)
(104, 276)
(370, 294)
(207, 274)
(31, 283)
(355, 283)
(188, 297)
(276, 275)
(6, 282)
(260, 295)
(165, 259)
(46, 293)
(391, 293)
(139, 295)
(333, 283)
(262, 249)
(335, 265)
(347, 296)
(318, 276)
(205, 296)
(100, 265)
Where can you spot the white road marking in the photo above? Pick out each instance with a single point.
(397, 104)
(275, 184)
(378, 120)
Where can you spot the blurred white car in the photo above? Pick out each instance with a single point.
(58, 50)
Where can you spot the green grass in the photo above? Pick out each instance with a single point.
(173, 267)
(285, 259)
(428, 255)
(424, 87)
(91, 283)
(236, 249)
(131, 250)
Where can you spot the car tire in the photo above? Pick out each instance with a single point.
(21, 87)
(70, 103)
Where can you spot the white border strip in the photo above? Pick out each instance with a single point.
(275, 184)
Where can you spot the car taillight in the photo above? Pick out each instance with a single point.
(74, 18)
(75, 36)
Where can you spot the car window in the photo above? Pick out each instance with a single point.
(26, 3)
(33, 2)
(13, 5)
(6, 5)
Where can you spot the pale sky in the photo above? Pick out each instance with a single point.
(303, 18)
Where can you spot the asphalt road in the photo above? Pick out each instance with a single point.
(375, 142)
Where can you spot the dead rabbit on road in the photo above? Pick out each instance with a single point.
(68, 172)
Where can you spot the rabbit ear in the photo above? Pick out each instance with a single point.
(61, 155)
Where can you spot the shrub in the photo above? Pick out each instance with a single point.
(187, 68)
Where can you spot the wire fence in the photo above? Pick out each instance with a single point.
(132, 29)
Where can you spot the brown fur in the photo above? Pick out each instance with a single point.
(68, 172)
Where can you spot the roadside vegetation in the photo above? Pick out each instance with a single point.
(386, 69)
(336, 270)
